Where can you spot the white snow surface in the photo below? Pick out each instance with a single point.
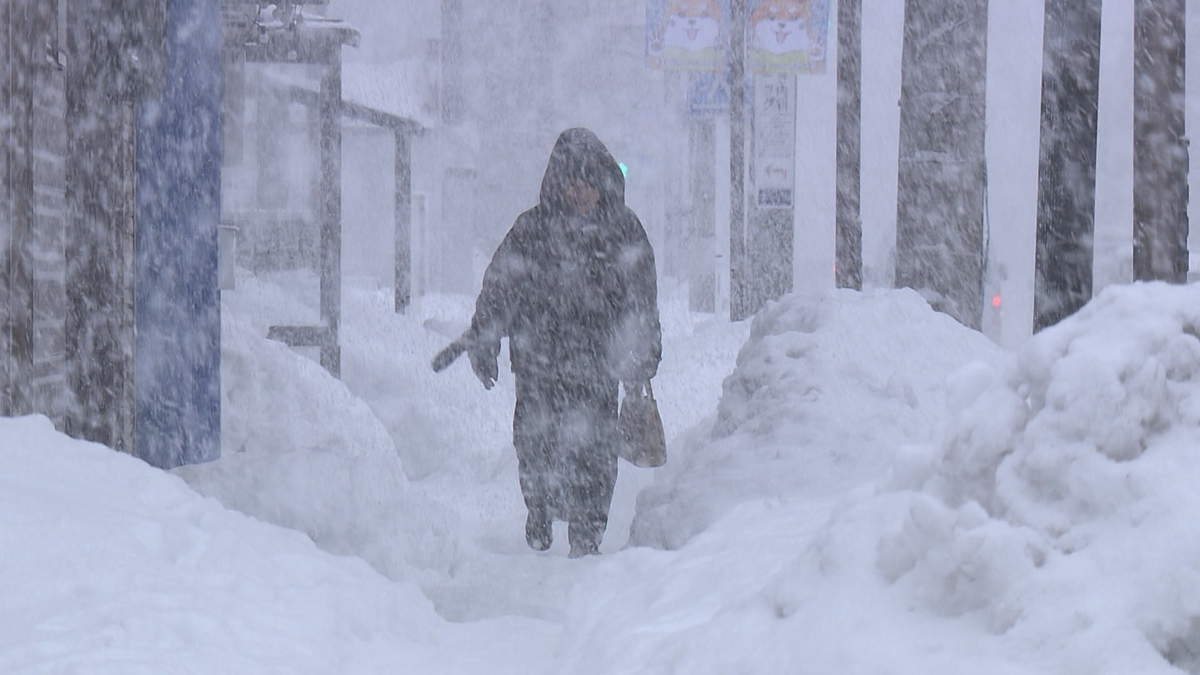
(866, 487)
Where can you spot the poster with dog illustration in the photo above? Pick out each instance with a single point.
(787, 36)
(687, 34)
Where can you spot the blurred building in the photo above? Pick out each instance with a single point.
(526, 71)
(493, 84)
(108, 222)
(290, 105)
(116, 148)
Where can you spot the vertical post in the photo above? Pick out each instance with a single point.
(721, 212)
(233, 104)
(702, 230)
(453, 92)
(940, 214)
(1067, 163)
(403, 176)
(848, 257)
(8, 158)
(271, 186)
(99, 321)
(330, 111)
(771, 219)
(1160, 149)
(177, 219)
(420, 249)
(47, 391)
(738, 300)
(125, 301)
(16, 223)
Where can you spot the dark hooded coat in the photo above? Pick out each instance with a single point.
(576, 296)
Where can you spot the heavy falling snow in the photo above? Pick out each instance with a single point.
(856, 483)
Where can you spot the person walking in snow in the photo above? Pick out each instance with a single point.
(572, 286)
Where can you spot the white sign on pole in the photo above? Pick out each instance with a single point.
(774, 140)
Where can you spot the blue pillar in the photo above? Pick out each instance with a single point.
(177, 370)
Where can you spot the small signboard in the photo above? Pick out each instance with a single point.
(708, 95)
(787, 36)
(774, 140)
(687, 34)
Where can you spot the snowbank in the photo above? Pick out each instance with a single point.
(1046, 523)
(878, 490)
(825, 390)
(113, 566)
(1060, 506)
(299, 450)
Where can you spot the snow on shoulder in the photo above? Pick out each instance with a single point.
(825, 390)
(1061, 505)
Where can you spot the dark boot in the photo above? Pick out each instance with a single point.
(539, 531)
(584, 538)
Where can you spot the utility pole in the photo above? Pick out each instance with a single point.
(940, 215)
(739, 305)
(1067, 164)
(848, 267)
(1160, 150)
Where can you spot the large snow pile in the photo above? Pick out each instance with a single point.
(299, 450)
(1061, 504)
(1047, 525)
(112, 566)
(825, 389)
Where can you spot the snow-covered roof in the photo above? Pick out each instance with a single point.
(387, 95)
(301, 39)
(316, 27)
(401, 88)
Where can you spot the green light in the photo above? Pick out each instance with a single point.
(624, 169)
